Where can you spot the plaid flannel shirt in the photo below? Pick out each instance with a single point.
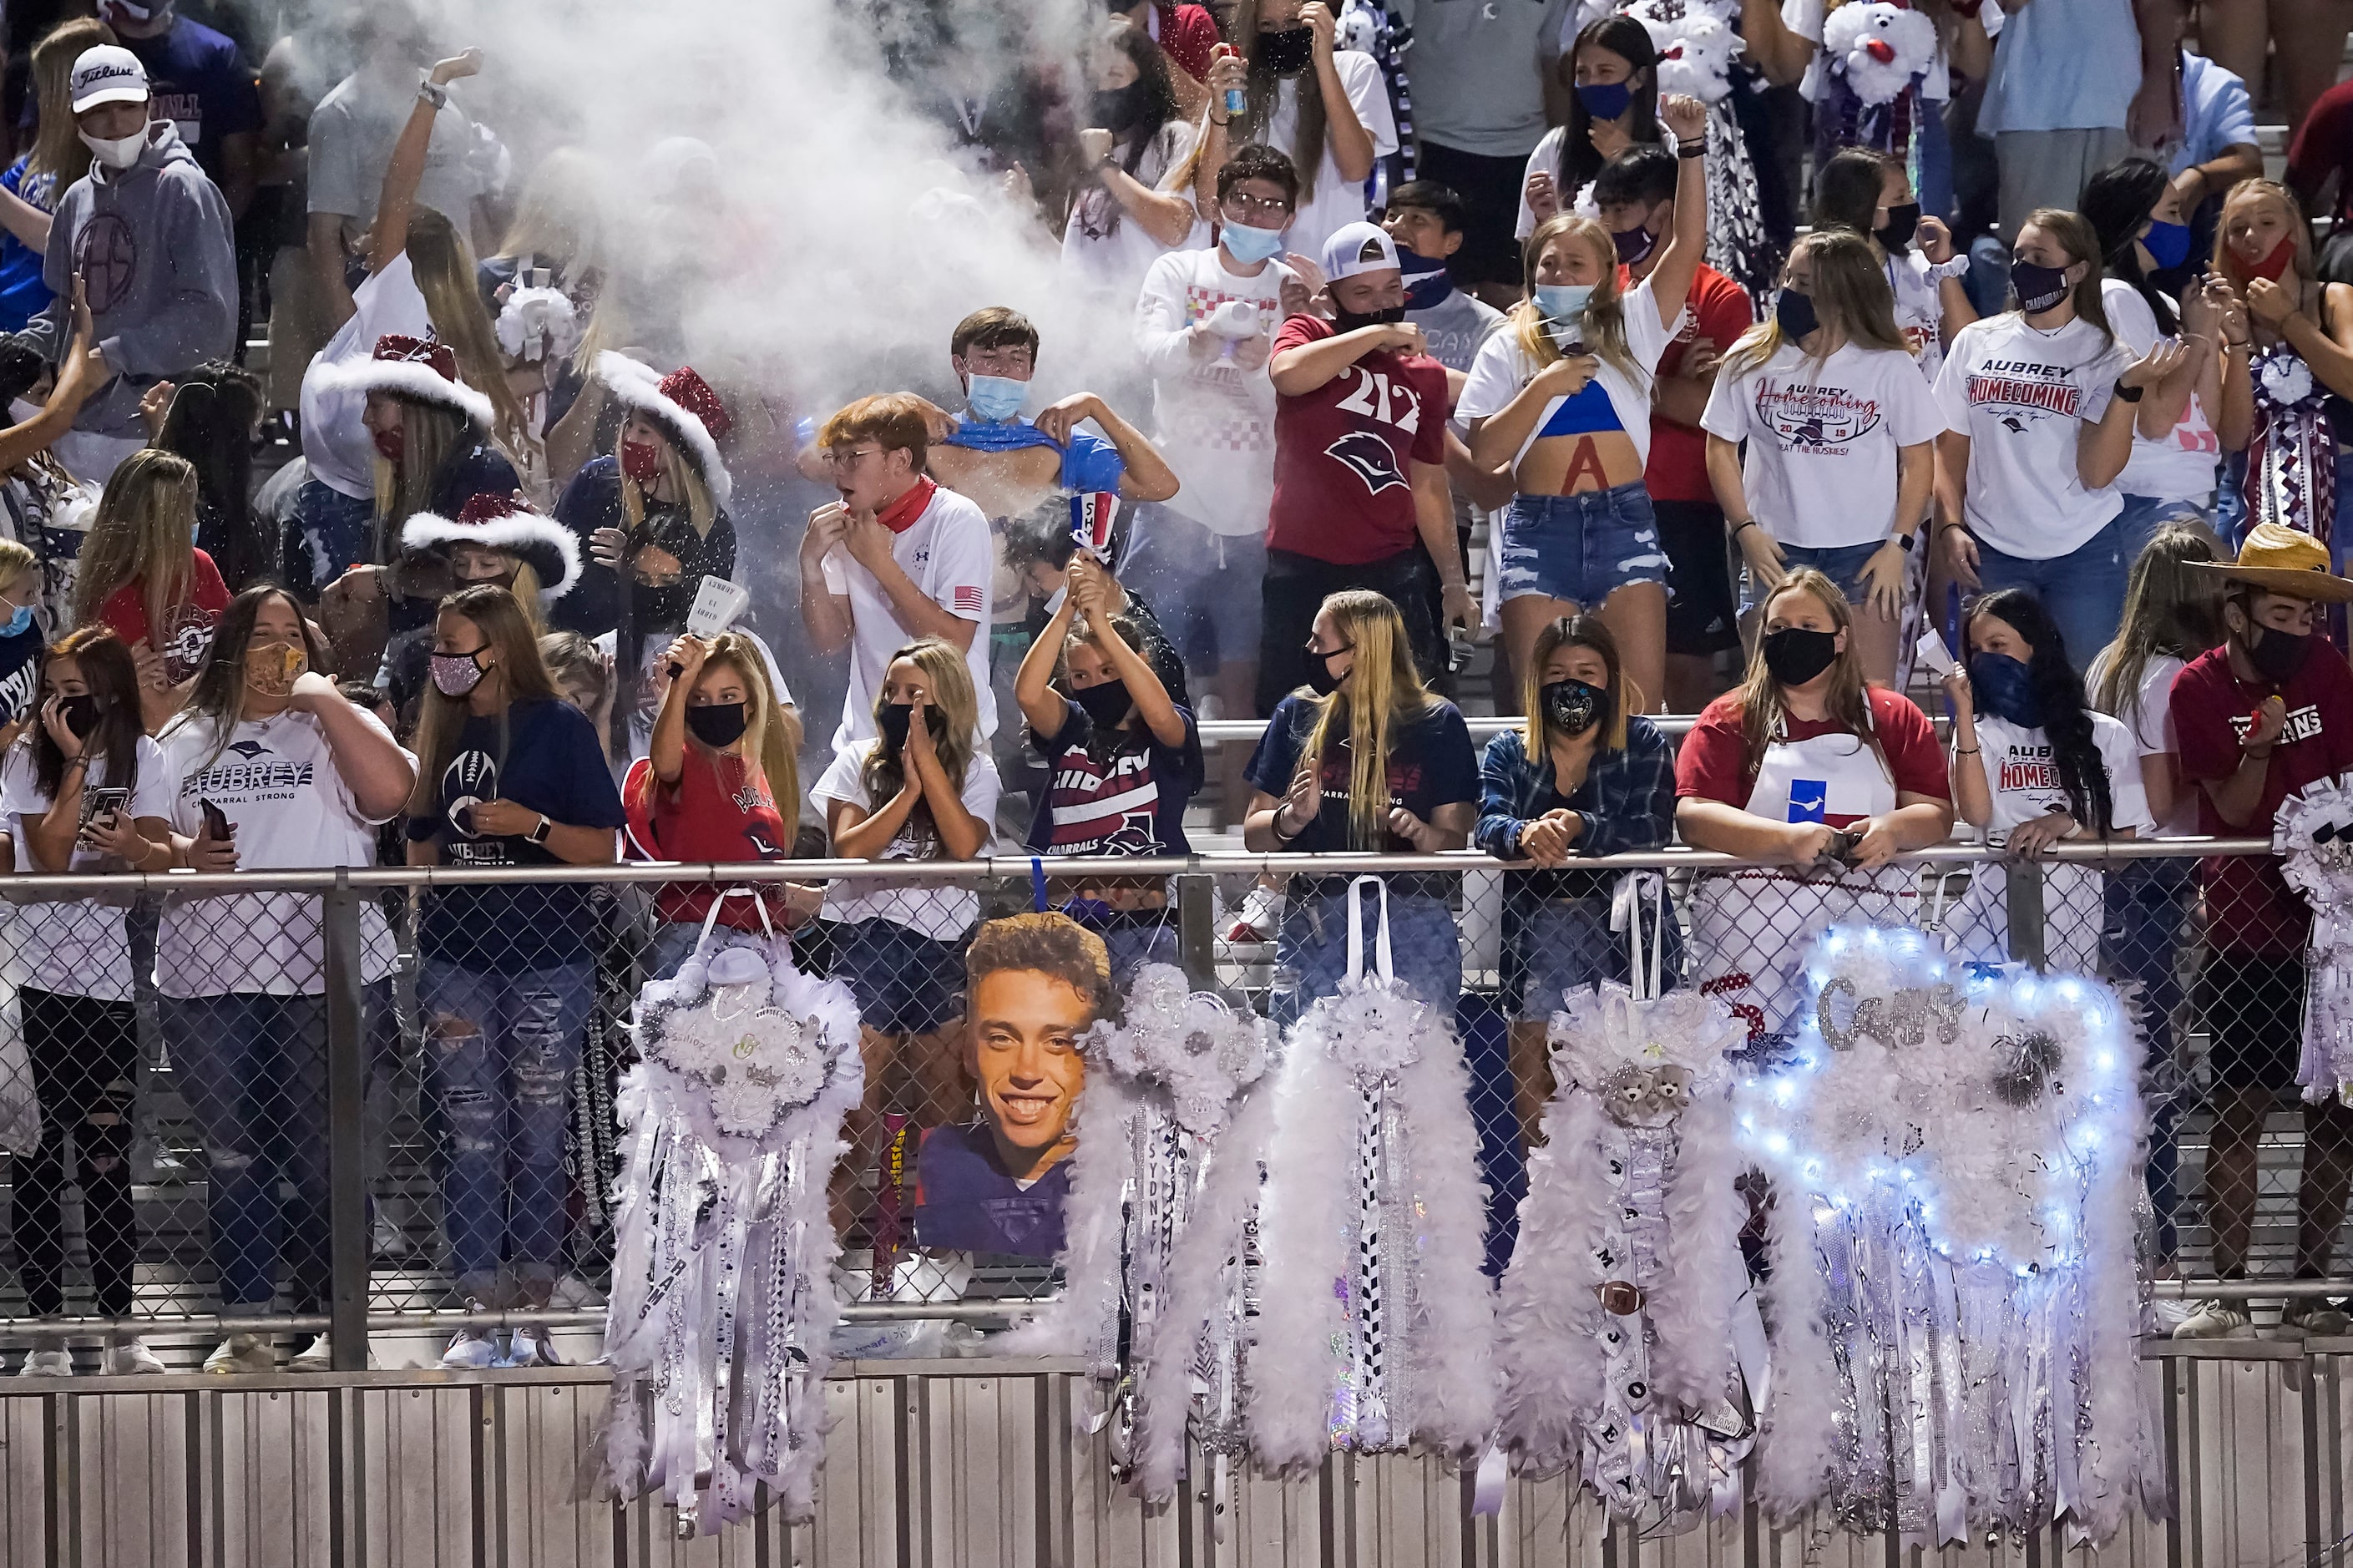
(1627, 798)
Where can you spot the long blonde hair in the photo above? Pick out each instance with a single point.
(1763, 709)
(1386, 688)
(429, 432)
(443, 264)
(57, 149)
(1850, 297)
(685, 482)
(559, 220)
(440, 718)
(2227, 263)
(145, 531)
(1604, 328)
(2170, 609)
(771, 731)
(885, 773)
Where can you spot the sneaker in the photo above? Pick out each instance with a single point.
(532, 1345)
(130, 1357)
(474, 1350)
(47, 1361)
(388, 1240)
(1261, 917)
(2216, 1320)
(316, 1356)
(242, 1354)
(2315, 1317)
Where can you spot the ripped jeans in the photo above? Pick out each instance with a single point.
(499, 1050)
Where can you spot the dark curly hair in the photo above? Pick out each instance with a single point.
(1050, 944)
(2059, 689)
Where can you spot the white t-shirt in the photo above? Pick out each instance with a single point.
(1338, 201)
(2024, 781)
(2181, 464)
(941, 913)
(2150, 720)
(1215, 419)
(75, 947)
(1822, 438)
(1546, 160)
(1111, 267)
(2021, 396)
(1503, 367)
(947, 553)
(1804, 17)
(277, 783)
(1920, 310)
(335, 444)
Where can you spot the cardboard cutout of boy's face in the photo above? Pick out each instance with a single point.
(1024, 1051)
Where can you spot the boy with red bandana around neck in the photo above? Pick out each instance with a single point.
(898, 558)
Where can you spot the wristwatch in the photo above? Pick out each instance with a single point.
(1906, 540)
(539, 834)
(2129, 393)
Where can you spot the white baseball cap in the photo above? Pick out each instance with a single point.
(1358, 247)
(107, 73)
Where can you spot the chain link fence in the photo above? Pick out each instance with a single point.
(330, 1098)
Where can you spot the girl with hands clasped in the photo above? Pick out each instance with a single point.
(1562, 400)
(84, 790)
(1612, 71)
(2037, 767)
(2041, 403)
(1840, 431)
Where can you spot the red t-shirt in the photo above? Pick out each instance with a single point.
(189, 636)
(718, 812)
(1712, 763)
(1717, 310)
(2249, 907)
(1186, 35)
(2324, 146)
(1344, 453)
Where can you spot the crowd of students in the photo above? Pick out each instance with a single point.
(1720, 462)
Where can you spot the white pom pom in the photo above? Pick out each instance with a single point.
(1881, 49)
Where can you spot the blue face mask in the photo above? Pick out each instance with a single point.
(2167, 243)
(2003, 688)
(1563, 301)
(1605, 100)
(996, 398)
(18, 624)
(1247, 245)
(1426, 282)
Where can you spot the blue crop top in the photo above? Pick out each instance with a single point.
(1589, 411)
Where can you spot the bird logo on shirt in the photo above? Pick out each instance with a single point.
(1809, 799)
(1368, 457)
(248, 750)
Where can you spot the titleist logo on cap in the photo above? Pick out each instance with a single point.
(107, 71)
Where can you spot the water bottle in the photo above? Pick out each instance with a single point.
(1233, 101)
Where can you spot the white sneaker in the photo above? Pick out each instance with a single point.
(2216, 1320)
(47, 1361)
(126, 1358)
(532, 1345)
(242, 1354)
(573, 1294)
(474, 1350)
(1261, 917)
(316, 1356)
(387, 1239)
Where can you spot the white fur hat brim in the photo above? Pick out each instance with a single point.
(639, 386)
(517, 534)
(406, 378)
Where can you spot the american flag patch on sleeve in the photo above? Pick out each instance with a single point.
(965, 600)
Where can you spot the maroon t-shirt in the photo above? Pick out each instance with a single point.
(1718, 312)
(1344, 453)
(2249, 908)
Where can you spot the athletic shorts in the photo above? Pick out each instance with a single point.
(2253, 1008)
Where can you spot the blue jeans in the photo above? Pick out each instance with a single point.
(1935, 146)
(2083, 589)
(1842, 564)
(338, 532)
(253, 1069)
(1580, 548)
(501, 1049)
(1426, 949)
(2144, 515)
(2149, 909)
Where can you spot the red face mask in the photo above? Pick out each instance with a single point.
(389, 444)
(641, 460)
(2272, 266)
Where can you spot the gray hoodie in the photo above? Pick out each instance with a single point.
(154, 243)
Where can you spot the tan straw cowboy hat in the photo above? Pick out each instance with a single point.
(2278, 559)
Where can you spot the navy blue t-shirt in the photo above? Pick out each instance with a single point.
(965, 1198)
(196, 80)
(1130, 803)
(1431, 765)
(551, 764)
(20, 674)
(592, 501)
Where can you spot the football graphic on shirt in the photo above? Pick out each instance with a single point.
(187, 638)
(1368, 457)
(470, 779)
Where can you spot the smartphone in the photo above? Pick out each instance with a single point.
(97, 806)
(218, 826)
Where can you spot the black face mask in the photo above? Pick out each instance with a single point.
(1902, 223)
(892, 722)
(80, 714)
(1793, 656)
(1289, 52)
(1573, 706)
(2278, 655)
(716, 724)
(1119, 108)
(1104, 703)
(1794, 314)
(1320, 678)
(2038, 288)
(1349, 320)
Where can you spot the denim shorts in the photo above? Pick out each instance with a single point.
(1580, 548)
(905, 982)
(1842, 564)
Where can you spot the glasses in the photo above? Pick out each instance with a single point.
(1256, 206)
(838, 459)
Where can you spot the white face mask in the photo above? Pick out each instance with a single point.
(119, 154)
